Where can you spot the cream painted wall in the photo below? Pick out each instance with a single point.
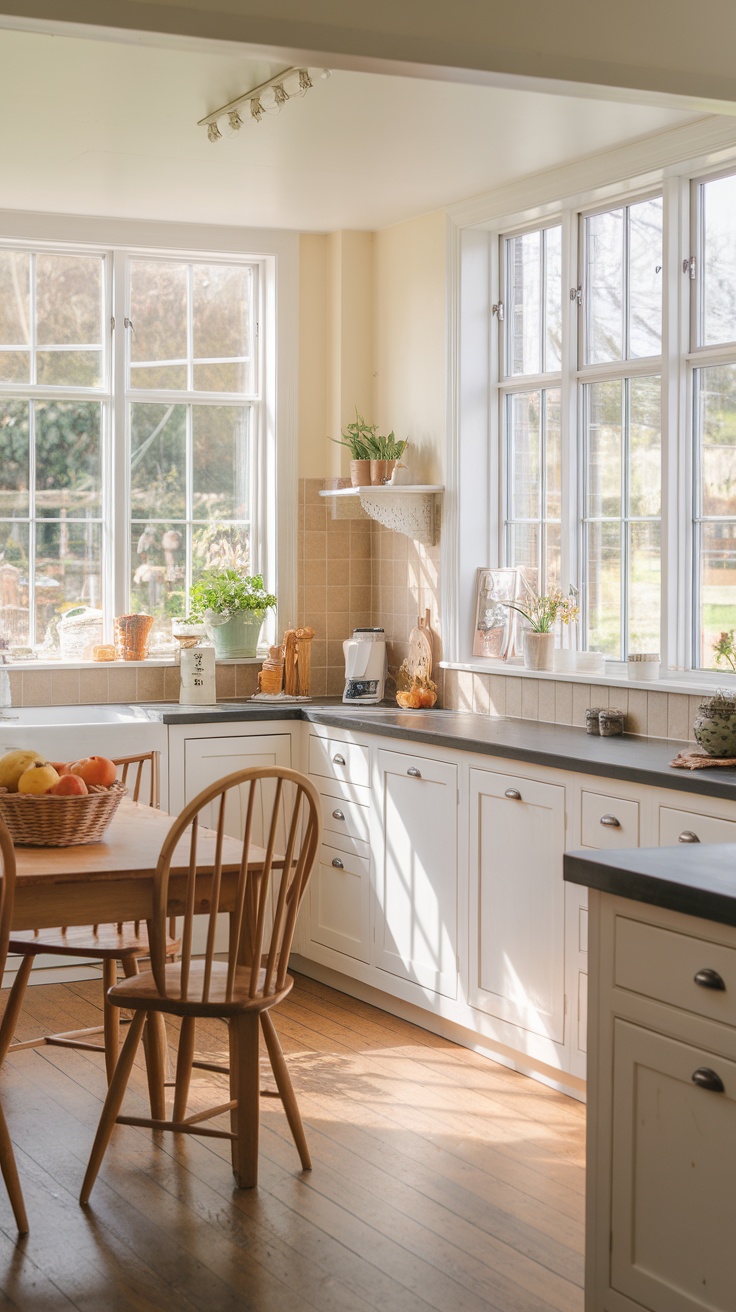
(409, 350)
(313, 320)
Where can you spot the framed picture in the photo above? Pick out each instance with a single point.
(497, 630)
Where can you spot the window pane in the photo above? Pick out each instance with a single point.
(68, 571)
(719, 261)
(221, 462)
(523, 254)
(524, 546)
(553, 299)
(220, 546)
(524, 455)
(605, 449)
(15, 281)
(605, 311)
(553, 454)
(158, 461)
(604, 588)
(14, 458)
(222, 327)
(644, 587)
(68, 458)
(69, 368)
(158, 570)
(552, 557)
(158, 310)
(645, 278)
(68, 300)
(716, 391)
(645, 446)
(717, 586)
(14, 626)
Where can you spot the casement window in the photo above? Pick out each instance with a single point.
(130, 432)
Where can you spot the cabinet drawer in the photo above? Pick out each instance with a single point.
(334, 759)
(607, 821)
(339, 903)
(677, 826)
(662, 964)
(346, 818)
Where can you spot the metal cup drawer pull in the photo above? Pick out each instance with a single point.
(687, 836)
(337, 863)
(705, 1078)
(415, 774)
(514, 794)
(338, 815)
(338, 759)
(610, 822)
(708, 978)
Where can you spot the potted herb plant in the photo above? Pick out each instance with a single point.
(715, 724)
(388, 450)
(233, 607)
(541, 614)
(372, 456)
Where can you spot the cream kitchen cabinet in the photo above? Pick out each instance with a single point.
(517, 901)
(416, 886)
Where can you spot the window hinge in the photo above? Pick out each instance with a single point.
(498, 310)
(112, 322)
(576, 295)
(688, 266)
(257, 327)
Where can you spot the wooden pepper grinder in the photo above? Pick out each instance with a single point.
(304, 659)
(291, 678)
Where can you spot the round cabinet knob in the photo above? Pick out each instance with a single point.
(705, 1078)
(415, 774)
(708, 978)
(610, 822)
(687, 836)
(338, 759)
(337, 815)
(337, 863)
(514, 794)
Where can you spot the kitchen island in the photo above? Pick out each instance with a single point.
(661, 1146)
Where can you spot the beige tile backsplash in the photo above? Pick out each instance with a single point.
(353, 572)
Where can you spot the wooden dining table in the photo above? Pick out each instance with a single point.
(109, 881)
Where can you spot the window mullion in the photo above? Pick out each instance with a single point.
(32, 522)
(625, 519)
(117, 491)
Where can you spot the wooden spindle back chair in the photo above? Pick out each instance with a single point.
(125, 942)
(263, 896)
(7, 893)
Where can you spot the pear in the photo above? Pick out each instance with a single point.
(12, 766)
(38, 778)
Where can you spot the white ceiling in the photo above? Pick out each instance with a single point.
(105, 128)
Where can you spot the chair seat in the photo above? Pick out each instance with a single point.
(94, 941)
(141, 992)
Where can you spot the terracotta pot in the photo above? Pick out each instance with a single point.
(538, 650)
(360, 473)
(381, 471)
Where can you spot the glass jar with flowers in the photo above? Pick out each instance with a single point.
(541, 614)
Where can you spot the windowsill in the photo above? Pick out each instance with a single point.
(695, 683)
(151, 662)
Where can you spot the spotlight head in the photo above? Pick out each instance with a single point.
(280, 96)
(256, 109)
(305, 81)
(235, 120)
(213, 132)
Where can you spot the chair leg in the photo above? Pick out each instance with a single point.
(110, 1018)
(113, 1103)
(286, 1090)
(14, 1004)
(245, 1085)
(154, 1043)
(10, 1176)
(184, 1059)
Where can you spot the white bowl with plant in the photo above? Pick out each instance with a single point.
(232, 607)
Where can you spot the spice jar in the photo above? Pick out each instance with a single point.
(611, 723)
(592, 719)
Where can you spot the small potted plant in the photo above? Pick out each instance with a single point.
(715, 724)
(372, 456)
(541, 614)
(233, 607)
(389, 449)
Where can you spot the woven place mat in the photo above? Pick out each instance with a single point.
(697, 759)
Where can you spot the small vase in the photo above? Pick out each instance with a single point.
(715, 730)
(238, 636)
(360, 473)
(538, 650)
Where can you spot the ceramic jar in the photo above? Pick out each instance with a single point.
(237, 634)
(715, 729)
(538, 650)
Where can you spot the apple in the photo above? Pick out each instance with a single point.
(38, 778)
(61, 767)
(68, 785)
(95, 770)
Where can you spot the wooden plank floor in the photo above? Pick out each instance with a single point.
(441, 1183)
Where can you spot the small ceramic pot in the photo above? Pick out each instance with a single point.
(239, 634)
(360, 473)
(715, 730)
(538, 650)
(381, 471)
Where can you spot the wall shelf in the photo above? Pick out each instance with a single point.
(411, 509)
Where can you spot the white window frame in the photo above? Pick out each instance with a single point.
(274, 552)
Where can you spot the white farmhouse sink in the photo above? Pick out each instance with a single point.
(65, 733)
(71, 715)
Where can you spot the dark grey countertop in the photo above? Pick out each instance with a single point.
(698, 881)
(642, 760)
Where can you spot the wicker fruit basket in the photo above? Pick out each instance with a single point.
(48, 821)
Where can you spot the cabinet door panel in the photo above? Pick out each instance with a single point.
(339, 901)
(416, 928)
(672, 1175)
(517, 934)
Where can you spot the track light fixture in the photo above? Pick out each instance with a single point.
(267, 98)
